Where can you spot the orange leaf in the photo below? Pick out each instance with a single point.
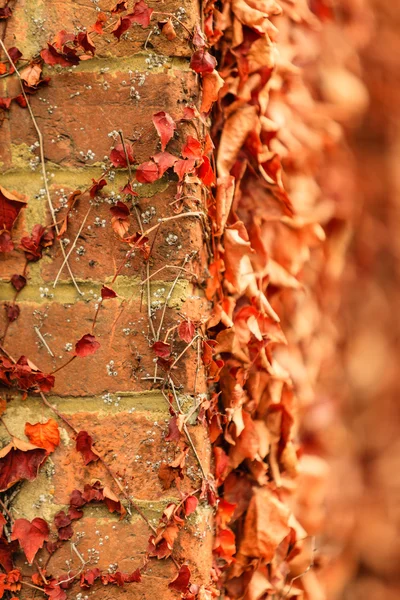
(45, 435)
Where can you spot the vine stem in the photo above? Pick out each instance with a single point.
(6, 427)
(85, 218)
(167, 299)
(42, 160)
(150, 230)
(41, 338)
(4, 507)
(172, 16)
(103, 462)
(167, 267)
(196, 337)
(186, 431)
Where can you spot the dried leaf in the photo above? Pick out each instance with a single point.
(31, 535)
(165, 126)
(19, 460)
(86, 346)
(45, 435)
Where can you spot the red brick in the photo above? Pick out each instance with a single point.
(90, 105)
(72, 14)
(134, 447)
(132, 356)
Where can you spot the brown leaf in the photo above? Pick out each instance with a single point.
(265, 526)
(212, 84)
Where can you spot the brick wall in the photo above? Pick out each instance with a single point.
(108, 394)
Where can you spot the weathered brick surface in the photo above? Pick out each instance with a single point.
(83, 105)
(122, 361)
(127, 421)
(35, 23)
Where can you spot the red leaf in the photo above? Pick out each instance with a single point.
(120, 210)
(190, 113)
(221, 464)
(96, 187)
(63, 524)
(173, 430)
(162, 349)
(6, 552)
(135, 577)
(6, 243)
(24, 375)
(31, 536)
(45, 435)
(119, 7)
(5, 13)
(205, 172)
(186, 331)
(182, 580)
(20, 100)
(55, 591)
(19, 460)
(15, 55)
(224, 545)
(12, 311)
(128, 189)
(5, 103)
(84, 446)
(10, 207)
(98, 26)
(18, 282)
(190, 505)
(203, 62)
(112, 502)
(141, 14)
(34, 244)
(88, 577)
(120, 219)
(147, 172)
(182, 167)
(107, 293)
(165, 161)
(52, 57)
(63, 37)
(83, 40)
(165, 126)
(86, 346)
(192, 148)
(199, 39)
(122, 26)
(118, 158)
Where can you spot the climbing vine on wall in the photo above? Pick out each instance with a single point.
(258, 237)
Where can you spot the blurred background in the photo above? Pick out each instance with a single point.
(355, 423)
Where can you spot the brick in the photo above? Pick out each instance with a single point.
(100, 552)
(123, 335)
(33, 24)
(80, 107)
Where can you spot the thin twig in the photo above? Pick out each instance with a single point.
(168, 267)
(186, 431)
(41, 338)
(6, 427)
(185, 350)
(103, 462)
(150, 230)
(167, 299)
(42, 160)
(73, 246)
(121, 135)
